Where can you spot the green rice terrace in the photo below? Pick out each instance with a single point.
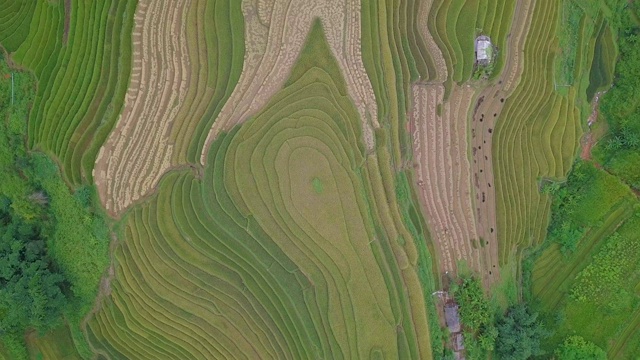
(320, 179)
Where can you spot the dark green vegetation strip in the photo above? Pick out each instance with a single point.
(54, 244)
(81, 83)
(216, 46)
(251, 261)
(604, 56)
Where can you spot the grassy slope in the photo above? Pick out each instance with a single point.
(266, 256)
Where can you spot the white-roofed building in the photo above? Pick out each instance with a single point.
(484, 50)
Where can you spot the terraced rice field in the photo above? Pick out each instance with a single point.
(535, 137)
(15, 18)
(293, 178)
(455, 24)
(138, 152)
(453, 131)
(182, 73)
(441, 152)
(289, 246)
(275, 36)
(81, 80)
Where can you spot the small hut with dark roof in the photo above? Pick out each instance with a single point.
(452, 317)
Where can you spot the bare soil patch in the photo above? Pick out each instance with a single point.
(138, 151)
(443, 172)
(588, 140)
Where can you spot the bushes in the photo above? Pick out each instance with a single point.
(602, 281)
(626, 166)
(582, 202)
(577, 348)
(620, 106)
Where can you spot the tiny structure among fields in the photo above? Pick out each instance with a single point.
(484, 50)
(452, 318)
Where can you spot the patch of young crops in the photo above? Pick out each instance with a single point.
(251, 260)
(56, 344)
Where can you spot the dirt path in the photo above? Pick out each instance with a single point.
(275, 31)
(138, 151)
(588, 139)
(67, 21)
(452, 149)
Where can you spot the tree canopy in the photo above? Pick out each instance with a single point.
(30, 289)
(519, 334)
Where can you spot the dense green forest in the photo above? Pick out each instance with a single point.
(54, 243)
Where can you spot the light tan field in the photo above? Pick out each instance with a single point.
(452, 143)
(138, 152)
(440, 150)
(275, 31)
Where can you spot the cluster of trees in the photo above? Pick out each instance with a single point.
(577, 348)
(476, 315)
(31, 289)
(513, 335)
(53, 243)
(620, 106)
(520, 334)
